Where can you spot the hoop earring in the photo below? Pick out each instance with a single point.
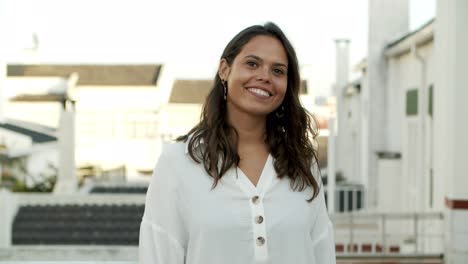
(224, 84)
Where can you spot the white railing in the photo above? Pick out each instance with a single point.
(404, 233)
(69, 254)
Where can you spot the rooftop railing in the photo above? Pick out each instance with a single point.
(389, 233)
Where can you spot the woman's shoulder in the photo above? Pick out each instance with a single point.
(171, 158)
(173, 151)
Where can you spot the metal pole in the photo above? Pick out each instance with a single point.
(384, 240)
(331, 166)
(415, 216)
(351, 231)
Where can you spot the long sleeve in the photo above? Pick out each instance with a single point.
(162, 233)
(322, 233)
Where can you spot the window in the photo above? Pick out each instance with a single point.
(412, 102)
(431, 100)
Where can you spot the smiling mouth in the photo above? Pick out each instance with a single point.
(259, 92)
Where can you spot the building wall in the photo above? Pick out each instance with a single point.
(178, 119)
(405, 78)
(117, 126)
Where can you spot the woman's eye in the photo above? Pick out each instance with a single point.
(252, 63)
(278, 71)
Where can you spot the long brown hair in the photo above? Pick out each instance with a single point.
(290, 129)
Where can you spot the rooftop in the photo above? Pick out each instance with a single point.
(35, 135)
(93, 74)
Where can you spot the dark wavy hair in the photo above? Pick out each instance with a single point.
(290, 129)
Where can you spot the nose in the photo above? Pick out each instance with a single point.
(263, 74)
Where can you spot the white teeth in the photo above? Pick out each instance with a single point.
(259, 92)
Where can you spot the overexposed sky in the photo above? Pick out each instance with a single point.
(189, 34)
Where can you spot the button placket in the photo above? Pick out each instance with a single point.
(255, 195)
(259, 230)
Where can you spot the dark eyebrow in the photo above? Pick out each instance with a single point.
(260, 59)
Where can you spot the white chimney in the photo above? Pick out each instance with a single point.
(388, 19)
(342, 70)
(67, 181)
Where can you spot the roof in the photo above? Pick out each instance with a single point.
(40, 98)
(420, 36)
(32, 126)
(72, 224)
(36, 136)
(93, 74)
(193, 91)
(190, 91)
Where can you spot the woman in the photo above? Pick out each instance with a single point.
(242, 186)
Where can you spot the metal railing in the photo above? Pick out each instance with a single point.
(394, 259)
(383, 233)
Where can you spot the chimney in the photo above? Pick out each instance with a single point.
(342, 70)
(387, 20)
(67, 181)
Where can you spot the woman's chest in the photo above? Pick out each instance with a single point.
(227, 209)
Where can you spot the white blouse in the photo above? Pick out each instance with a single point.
(188, 222)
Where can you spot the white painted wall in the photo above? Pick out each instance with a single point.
(118, 126)
(178, 119)
(450, 120)
(391, 199)
(404, 134)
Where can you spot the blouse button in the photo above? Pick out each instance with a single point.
(255, 199)
(259, 219)
(260, 241)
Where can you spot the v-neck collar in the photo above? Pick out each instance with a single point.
(266, 177)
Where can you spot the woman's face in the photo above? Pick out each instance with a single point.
(258, 77)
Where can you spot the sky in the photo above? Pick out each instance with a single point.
(190, 35)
